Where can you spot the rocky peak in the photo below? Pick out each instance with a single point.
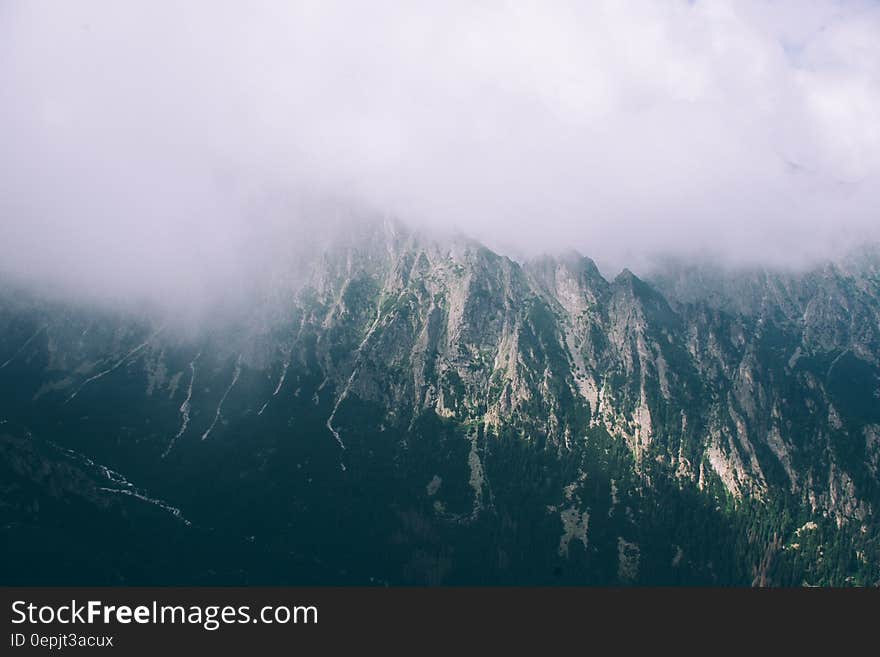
(753, 386)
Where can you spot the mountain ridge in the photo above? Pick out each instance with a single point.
(401, 353)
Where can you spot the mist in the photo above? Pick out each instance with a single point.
(170, 151)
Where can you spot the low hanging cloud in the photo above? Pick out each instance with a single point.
(157, 148)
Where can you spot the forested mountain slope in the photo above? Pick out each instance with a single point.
(421, 410)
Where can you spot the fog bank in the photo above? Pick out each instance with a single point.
(174, 150)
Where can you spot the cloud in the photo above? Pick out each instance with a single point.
(158, 148)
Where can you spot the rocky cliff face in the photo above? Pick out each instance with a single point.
(461, 417)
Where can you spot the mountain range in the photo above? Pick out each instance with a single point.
(397, 408)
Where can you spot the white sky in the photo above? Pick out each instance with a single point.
(159, 148)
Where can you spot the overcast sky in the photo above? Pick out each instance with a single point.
(147, 147)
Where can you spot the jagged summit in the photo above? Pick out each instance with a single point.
(538, 394)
